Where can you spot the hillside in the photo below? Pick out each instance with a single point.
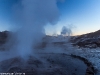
(91, 40)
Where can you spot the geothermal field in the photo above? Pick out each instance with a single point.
(36, 37)
(54, 55)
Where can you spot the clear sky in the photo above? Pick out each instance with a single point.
(82, 16)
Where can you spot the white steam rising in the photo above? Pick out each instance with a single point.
(66, 31)
(33, 15)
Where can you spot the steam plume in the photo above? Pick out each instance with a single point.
(66, 31)
(33, 15)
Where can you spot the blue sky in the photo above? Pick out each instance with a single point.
(82, 16)
(6, 14)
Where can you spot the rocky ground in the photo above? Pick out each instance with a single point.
(90, 40)
(54, 56)
(47, 64)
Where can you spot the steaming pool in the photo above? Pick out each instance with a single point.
(45, 64)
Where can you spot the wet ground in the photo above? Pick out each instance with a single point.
(45, 64)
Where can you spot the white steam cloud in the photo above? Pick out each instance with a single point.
(33, 15)
(66, 31)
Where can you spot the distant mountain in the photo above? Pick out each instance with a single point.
(91, 40)
(92, 34)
